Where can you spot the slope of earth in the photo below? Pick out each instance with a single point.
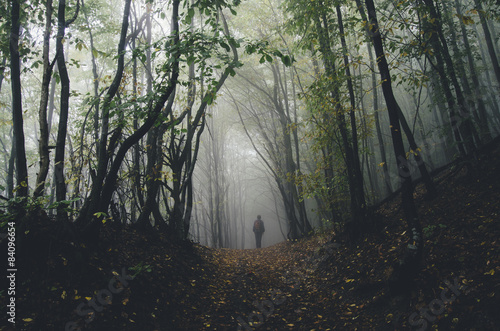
(319, 284)
(140, 280)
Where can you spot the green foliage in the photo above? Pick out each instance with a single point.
(64, 205)
(139, 268)
(267, 54)
(14, 209)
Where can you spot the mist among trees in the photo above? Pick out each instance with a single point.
(190, 118)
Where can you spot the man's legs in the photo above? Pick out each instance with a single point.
(258, 239)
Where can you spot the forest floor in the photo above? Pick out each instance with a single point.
(314, 283)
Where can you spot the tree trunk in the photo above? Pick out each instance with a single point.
(2, 70)
(495, 106)
(63, 113)
(489, 40)
(410, 265)
(357, 173)
(385, 169)
(153, 151)
(474, 92)
(415, 150)
(301, 202)
(153, 175)
(368, 145)
(289, 165)
(356, 205)
(43, 146)
(433, 27)
(17, 107)
(10, 171)
(102, 151)
(95, 81)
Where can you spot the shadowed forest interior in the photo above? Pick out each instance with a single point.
(269, 164)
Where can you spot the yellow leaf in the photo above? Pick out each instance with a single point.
(27, 319)
(63, 295)
(491, 272)
(88, 298)
(77, 297)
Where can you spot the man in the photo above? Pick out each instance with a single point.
(258, 229)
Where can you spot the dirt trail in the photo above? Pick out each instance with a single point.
(255, 287)
(303, 285)
(307, 285)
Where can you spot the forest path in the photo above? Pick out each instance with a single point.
(313, 284)
(259, 287)
(309, 284)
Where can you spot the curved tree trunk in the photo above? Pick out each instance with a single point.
(43, 146)
(63, 112)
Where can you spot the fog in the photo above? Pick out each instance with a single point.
(247, 187)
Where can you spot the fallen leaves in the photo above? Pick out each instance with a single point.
(202, 288)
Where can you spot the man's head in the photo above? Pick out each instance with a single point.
(258, 217)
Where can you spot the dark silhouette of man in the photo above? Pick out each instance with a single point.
(258, 229)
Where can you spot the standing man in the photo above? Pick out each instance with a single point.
(258, 229)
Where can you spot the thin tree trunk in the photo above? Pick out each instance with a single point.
(368, 145)
(2, 70)
(357, 210)
(59, 158)
(440, 46)
(10, 171)
(43, 146)
(410, 265)
(488, 39)
(475, 94)
(95, 81)
(302, 204)
(153, 151)
(415, 150)
(495, 106)
(357, 173)
(17, 108)
(475, 78)
(103, 155)
(383, 156)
